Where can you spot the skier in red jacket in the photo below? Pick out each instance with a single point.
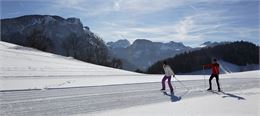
(215, 73)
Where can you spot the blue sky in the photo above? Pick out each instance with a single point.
(189, 21)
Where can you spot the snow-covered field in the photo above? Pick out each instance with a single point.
(27, 68)
(243, 103)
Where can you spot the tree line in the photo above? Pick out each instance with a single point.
(88, 47)
(240, 53)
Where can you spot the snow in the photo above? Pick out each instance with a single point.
(23, 68)
(27, 68)
(213, 105)
(123, 43)
(202, 46)
(228, 67)
(165, 47)
(48, 19)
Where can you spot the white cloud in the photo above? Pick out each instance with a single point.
(200, 25)
(117, 5)
(84, 7)
(189, 28)
(131, 7)
(183, 28)
(143, 6)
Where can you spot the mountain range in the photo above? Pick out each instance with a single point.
(67, 37)
(143, 53)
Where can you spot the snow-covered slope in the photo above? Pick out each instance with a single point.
(18, 61)
(27, 68)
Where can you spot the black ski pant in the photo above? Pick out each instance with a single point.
(217, 80)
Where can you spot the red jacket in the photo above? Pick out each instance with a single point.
(214, 68)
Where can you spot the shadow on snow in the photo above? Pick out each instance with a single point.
(173, 97)
(232, 96)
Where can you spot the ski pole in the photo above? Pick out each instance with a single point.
(182, 83)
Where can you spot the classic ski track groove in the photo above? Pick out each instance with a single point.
(71, 101)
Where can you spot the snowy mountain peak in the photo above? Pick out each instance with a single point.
(142, 41)
(54, 34)
(175, 45)
(73, 20)
(208, 44)
(142, 44)
(123, 43)
(172, 42)
(142, 53)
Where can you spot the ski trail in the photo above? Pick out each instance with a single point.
(91, 99)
